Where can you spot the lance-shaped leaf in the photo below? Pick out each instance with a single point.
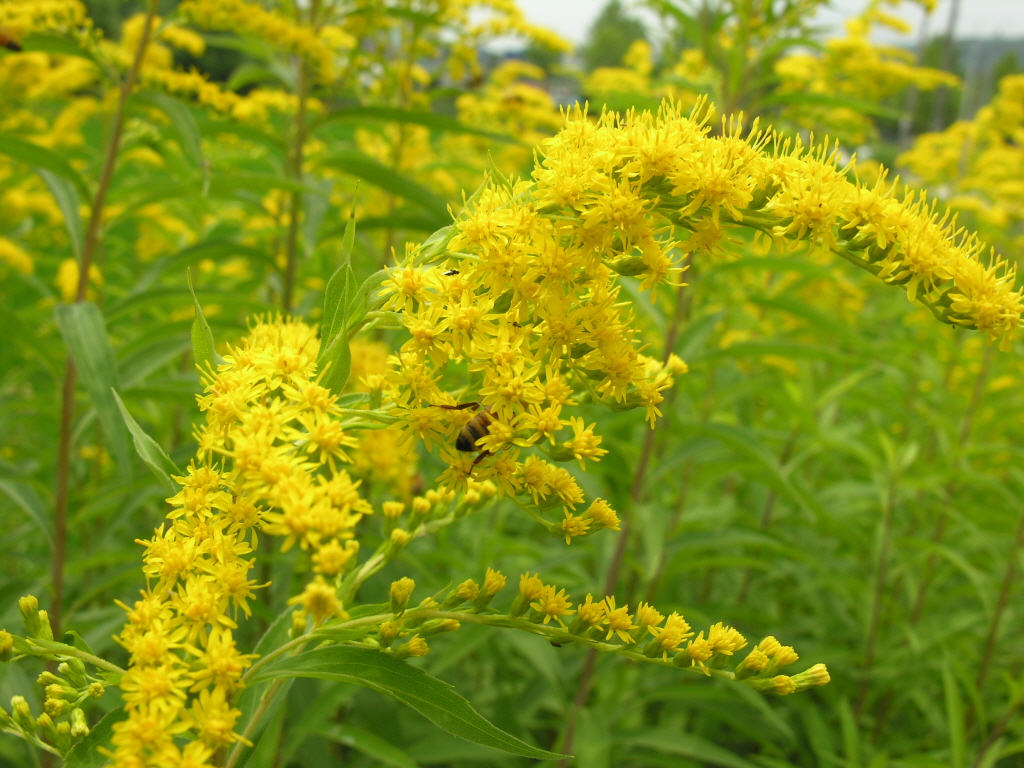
(64, 193)
(81, 324)
(203, 350)
(432, 698)
(182, 122)
(149, 450)
(41, 157)
(335, 357)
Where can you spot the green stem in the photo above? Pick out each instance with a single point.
(75, 653)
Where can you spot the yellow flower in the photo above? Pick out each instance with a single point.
(618, 621)
(552, 605)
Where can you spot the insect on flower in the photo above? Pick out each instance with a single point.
(473, 430)
(8, 42)
(450, 272)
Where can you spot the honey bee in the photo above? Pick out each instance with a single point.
(8, 42)
(473, 430)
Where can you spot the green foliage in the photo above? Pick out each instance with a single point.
(835, 469)
(613, 31)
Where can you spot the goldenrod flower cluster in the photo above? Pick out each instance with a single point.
(320, 47)
(856, 69)
(648, 635)
(979, 164)
(269, 430)
(22, 17)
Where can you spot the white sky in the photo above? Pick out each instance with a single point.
(977, 18)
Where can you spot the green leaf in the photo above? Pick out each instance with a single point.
(368, 743)
(203, 350)
(79, 643)
(432, 698)
(396, 115)
(62, 46)
(335, 356)
(275, 636)
(337, 364)
(954, 718)
(364, 167)
(182, 121)
(26, 497)
(67, 200)
(688, 745)
(81, 324)
(339, 293)
(149, 450)
(41, 157)
(366, 297)
(86, 754)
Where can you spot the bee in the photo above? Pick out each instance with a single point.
(450, 272)
(8, 42)
(473, 430)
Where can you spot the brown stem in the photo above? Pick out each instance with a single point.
(60, 511)
(1004, 599)
(881, 570)
(996, 733)
(295, 205)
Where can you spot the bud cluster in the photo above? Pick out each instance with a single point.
(64, 692)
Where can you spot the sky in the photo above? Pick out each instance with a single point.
(977, 18)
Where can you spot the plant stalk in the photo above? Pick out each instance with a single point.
(60, 512)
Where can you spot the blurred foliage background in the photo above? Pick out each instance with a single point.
(836, 468)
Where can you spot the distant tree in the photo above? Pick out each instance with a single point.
(610, 37)
(543, 57)
(1007, 65)
(933, 56)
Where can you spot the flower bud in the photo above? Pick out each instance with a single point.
(48, 678)
(530, 588)
(756, 661)
(74, 671)
(29, 607)
(6, 645)
(388, 632)
(783, 685)
(417, 646)
(467, 590)
(420, 510)
(55, 707)
(79, 727)
(5, 719)
(46, 728)
(63, 741)
(96, 690)
(23, 715)
(392, 511)
(58, 691)
(494, 582)
(299, 623)
(401, 591)
(811, 678)
(45, 630)
(437, 626)
(398, 539)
